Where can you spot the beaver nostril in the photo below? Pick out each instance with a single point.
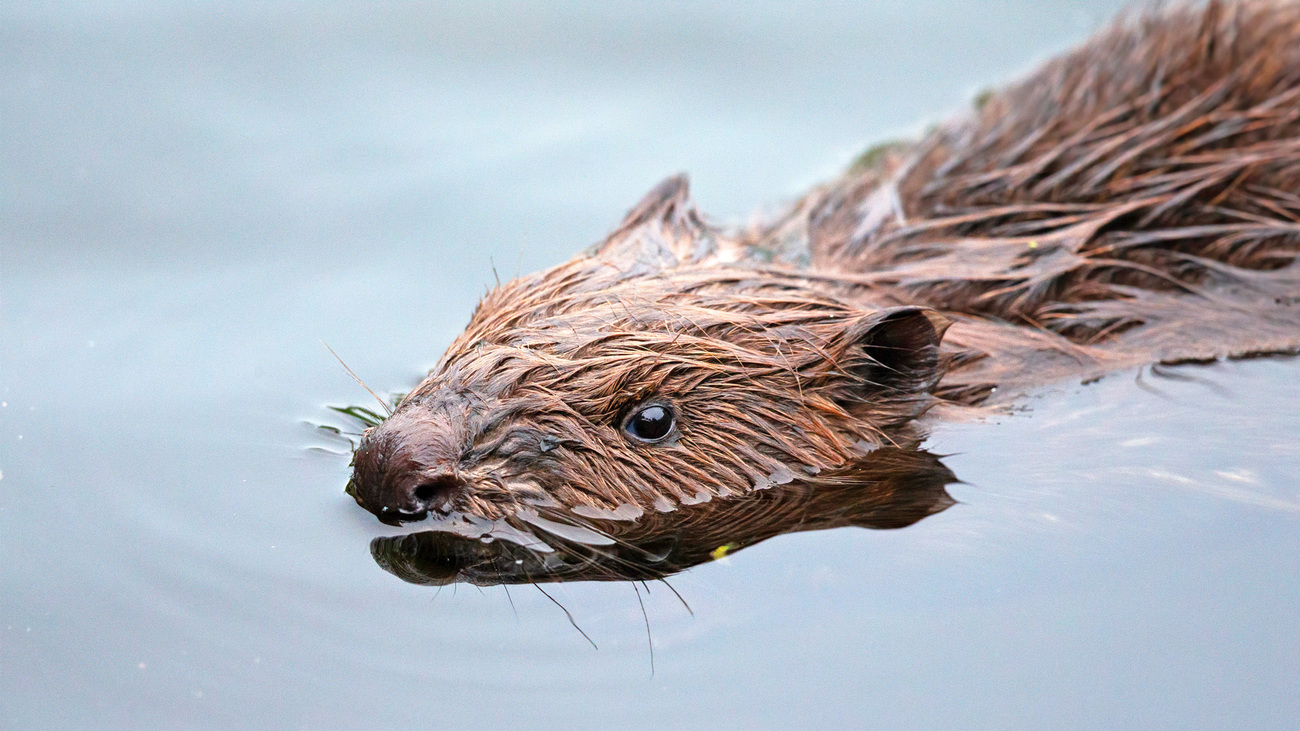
(436, 490)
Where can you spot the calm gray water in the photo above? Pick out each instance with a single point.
(193, 197)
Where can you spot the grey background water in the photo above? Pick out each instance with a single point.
(193, 196)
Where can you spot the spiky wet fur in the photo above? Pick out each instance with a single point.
(1134, 200)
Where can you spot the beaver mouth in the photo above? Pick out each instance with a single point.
(397, 516)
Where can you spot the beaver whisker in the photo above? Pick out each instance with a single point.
(566, 613)
(644, 615)
(579, 522)
(357, 378)
(502, 580)
(679, 596)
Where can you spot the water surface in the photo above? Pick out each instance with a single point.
(193, 197)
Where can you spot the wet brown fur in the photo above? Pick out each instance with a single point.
(1135, 200)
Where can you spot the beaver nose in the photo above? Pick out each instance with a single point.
(412, 499)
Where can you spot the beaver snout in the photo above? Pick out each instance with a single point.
(401, 474)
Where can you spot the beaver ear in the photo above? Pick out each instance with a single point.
(896, 351)
(663, 231)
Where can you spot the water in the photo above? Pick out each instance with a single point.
(192, 197)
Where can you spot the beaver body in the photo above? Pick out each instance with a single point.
(1132, 201)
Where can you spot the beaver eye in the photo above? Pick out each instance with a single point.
(650, 424)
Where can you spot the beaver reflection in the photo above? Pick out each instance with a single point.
(890, 488)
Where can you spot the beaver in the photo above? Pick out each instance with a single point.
(1134, 200)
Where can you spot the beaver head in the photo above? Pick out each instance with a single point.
(643, 374)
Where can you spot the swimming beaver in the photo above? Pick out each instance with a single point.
(1134, 200)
